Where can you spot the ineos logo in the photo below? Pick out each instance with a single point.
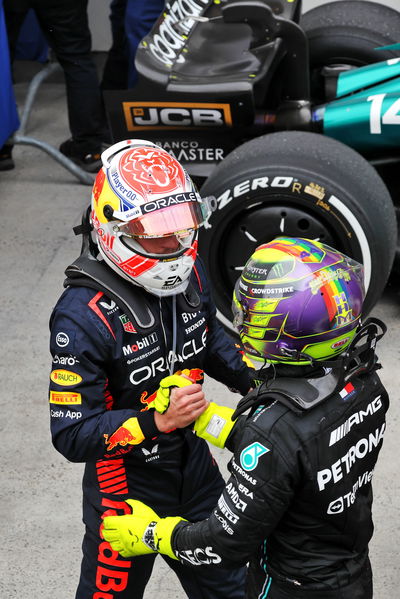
(174, 115)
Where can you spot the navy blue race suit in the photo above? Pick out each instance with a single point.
(297, 505)
(105, 372)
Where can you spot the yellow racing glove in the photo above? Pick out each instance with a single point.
(161, 401)
(215, 424)
(141, 533)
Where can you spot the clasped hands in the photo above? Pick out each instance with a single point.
(178, 402)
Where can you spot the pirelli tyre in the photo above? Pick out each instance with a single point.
(298, 184)
(347, 33)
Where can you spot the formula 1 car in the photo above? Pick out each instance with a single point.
(290, 120)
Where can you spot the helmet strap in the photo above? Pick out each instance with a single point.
(359, 357)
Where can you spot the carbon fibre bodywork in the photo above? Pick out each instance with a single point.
(216, 74)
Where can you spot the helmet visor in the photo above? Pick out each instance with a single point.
(166, 216)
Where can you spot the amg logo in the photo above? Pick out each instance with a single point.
(174, 115)
(355, 418)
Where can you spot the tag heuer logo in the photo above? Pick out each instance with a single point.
(126, 323)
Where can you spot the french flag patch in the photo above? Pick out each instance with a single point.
(347, 391)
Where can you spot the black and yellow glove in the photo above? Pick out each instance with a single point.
(215, 424)
(141, 533)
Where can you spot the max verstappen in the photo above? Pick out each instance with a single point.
(297, 505)
(136, 313)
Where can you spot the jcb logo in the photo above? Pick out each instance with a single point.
(174, 115)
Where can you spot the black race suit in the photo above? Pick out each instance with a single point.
(104, 373)
(298, 502)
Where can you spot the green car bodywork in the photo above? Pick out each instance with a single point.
(366, 112)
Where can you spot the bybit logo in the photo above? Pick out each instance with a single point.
(174, 115)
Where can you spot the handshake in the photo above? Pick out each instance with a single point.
(180, 402)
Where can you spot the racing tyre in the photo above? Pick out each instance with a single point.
(297, 184)
(346, 33)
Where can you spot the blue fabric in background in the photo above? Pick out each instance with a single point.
(139, 19)
(9, 121)
(131, 21)
(31, 43)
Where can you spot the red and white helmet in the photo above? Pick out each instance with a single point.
(143, 192)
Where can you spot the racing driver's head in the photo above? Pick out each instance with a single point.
(145, 214)
(297, 301)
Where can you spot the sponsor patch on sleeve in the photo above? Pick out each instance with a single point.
(251, 454)
(66, 378)
(66, 398)
(63, 339)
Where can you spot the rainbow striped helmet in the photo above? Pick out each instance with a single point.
(297, 299)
